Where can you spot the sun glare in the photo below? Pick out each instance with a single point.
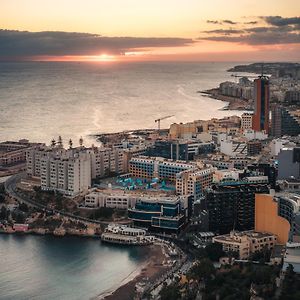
(104, 57)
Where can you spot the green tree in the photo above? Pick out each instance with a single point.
(3, 213)
(23, 207)
(170, 292)
(203, 269)
(103, 213)
(19, 217)
(214, 251)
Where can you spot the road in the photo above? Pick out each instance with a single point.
(10, 186)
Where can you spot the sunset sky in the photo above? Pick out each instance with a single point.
(113, 30)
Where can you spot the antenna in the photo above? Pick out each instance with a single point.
(262, 69)
(53, 143)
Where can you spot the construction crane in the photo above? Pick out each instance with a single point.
(163, 118)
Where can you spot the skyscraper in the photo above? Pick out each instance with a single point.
(261, 104)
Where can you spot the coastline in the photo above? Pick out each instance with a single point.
(232, 103)
(152, 269)
(131, 277)
(94, 236)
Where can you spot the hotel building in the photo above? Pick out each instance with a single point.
(158, 167)
(161, 214)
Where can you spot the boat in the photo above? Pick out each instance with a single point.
(124, 235)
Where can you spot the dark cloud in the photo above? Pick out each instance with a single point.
(229, 22)
(221, 22)
(55, 43)
(259, 38)
(213, 22)
(251, 23)
(281, 29)
(224, 31)
(280, 21)
(278, 31)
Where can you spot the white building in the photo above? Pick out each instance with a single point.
(106, 160)
(67, 172)
(226, 175)
(70, 171)
(276, 145)
(255, 135)
(257, 179)
(233, 149)
(113, 200)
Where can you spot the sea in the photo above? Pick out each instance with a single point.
(55, 268)
(40, 101)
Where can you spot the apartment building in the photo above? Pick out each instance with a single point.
(68, 173)
(194, 182)
(12, 153)
(106, 161)
(246, 121)
(231, 205)
(246, 243)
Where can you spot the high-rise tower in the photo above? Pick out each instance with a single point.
(260, 119)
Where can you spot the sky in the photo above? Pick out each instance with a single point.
(130, 30)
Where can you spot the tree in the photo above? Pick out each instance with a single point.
(214, 251)
(203, 269)
(2, 193)
(23, 207)
(3, 213)
(291, 285)
(19, 217)
(103, 212)
(262, 275)
(170, 292)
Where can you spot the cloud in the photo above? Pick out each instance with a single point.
(251, 23)
(280, 21)
(229, 22)
(260, 38)
(224, 31)
(56, 43)
(221, 22)
(213, 22)
(278, 30)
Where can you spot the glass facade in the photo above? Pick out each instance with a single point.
(159, 216)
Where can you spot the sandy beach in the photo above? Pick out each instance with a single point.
(152, 269)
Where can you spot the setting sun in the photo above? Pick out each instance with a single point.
(104, 58)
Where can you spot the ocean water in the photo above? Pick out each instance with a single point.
(45, 267)
(42, 100)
